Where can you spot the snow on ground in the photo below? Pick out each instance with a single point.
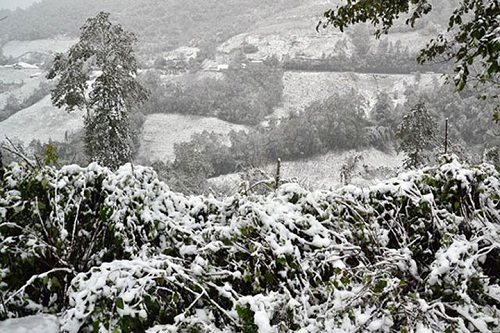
(161, 131)
(324, 172)
(22, 81)
(302, 88)
(41, 121)
(18, 48)
(31, 324)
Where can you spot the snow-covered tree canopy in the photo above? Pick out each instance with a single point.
(104, 59)
(118, 251)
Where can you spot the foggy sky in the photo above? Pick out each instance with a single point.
(13, 4)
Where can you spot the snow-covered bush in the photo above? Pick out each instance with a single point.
(57, 223)
(418, 253)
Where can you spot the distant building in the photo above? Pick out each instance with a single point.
(183, 53)
(222, 67)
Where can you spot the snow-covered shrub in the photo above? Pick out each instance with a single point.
(129, 295)
(57, 223)
(418, 253)
(51, 221)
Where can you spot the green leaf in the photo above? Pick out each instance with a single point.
(269, 277)
(55, 282)
(18, 209)
(380, 286)
(45, 182)
(41, 205)
(345, 280)
(119, 303)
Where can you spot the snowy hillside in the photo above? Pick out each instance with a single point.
(41, 121)
(162, 131)
(302, 88)
(20, 83)
(17, 48)
(292, 33)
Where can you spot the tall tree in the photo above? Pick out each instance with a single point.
(417, 135)
(104, 50)
(471, 39)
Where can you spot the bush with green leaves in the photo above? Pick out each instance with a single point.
(417, 253)
(56, 223)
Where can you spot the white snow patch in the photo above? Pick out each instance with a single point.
(31, 324)
(41, 121)
(161, 131)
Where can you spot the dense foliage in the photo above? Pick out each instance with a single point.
(469, 119)
(245, 93)
(387, 57)
(338, 123)
(120, 252)
(106, 51)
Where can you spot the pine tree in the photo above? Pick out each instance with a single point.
(105, 50)
(417, 135)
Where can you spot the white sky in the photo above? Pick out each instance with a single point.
(13, 4)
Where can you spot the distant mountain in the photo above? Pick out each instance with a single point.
(260, 27)
(291, 34)
(160, 24)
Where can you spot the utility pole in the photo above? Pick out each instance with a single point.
(2, 171)
(277, 178)
(446, 136)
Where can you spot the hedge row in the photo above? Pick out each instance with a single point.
(120, 252)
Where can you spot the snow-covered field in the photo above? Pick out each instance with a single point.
(324, 172)
(22, 81)
(162, 131)
(41, 121)
(302, 88)
(17, 48)
(31, 324)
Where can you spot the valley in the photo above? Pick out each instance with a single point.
(242, 166)
(160, 132)
(288, 36)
